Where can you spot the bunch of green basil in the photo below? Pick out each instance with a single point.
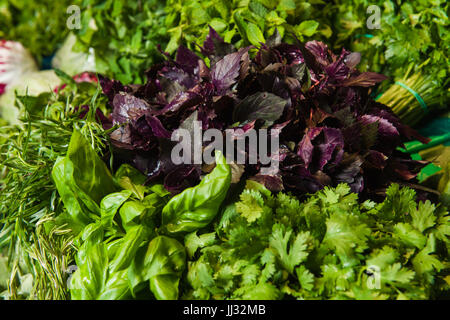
(127, 232)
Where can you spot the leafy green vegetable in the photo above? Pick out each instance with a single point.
(38, 246)
(241, 23)
(195, 207)
(328, 247)
(161, 263)
(40, 25)
(124, 36)
(410, 46)
(82, 179)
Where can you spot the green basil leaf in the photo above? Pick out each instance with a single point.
(116, 288)
(82, 180)
(75, 216)
(196, 207)
(130, 178)
(128, 248)
(129, 211)
(87, 171)
(162, 264)
(89, 279)
(110, 204)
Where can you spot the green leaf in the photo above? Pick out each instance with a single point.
(87, 172)
(131, 179)
(75, 215)
(110, 204)
(116, 287)
(254, 34)
(192, 242)
(394, 273)
(424, 261)
(423, 217)
(130, 210)
(409, 236)
(162, 264)
(307, 28)
(251, 205)
(347, 235)
(262, 291)
(128, 248)
(90, 278)
(195, 207)
(382, 258)
(305, 278)
(241, 25)
(290, 254)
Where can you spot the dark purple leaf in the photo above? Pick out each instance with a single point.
(365, 79)
(187, 60)
(272, 182)
(127, 107)
(226, 70)
(215, 47)
(180, 178)
(384, 127)
(305, 147)
(261, 105)
(157, 128)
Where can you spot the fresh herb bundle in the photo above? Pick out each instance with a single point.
(123, 34)
(36, 247)
(330, 130)
(411, 46)
(331, 246)
(134, 241)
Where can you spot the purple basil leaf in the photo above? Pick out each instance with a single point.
(111, 87)
(226, 70)
(306, 148)
(365, 79)
(187, 60)
(319, 50)
(215, 47)
(385, 127)
(350, 173)
(333, 140)
(157, 128)
(127, 107)
(261, 105)
(180, 178)
(272, 182)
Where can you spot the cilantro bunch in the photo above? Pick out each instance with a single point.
(331, 246)
(411, 46)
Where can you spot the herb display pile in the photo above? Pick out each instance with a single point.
(330, 130)
(93, 207)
